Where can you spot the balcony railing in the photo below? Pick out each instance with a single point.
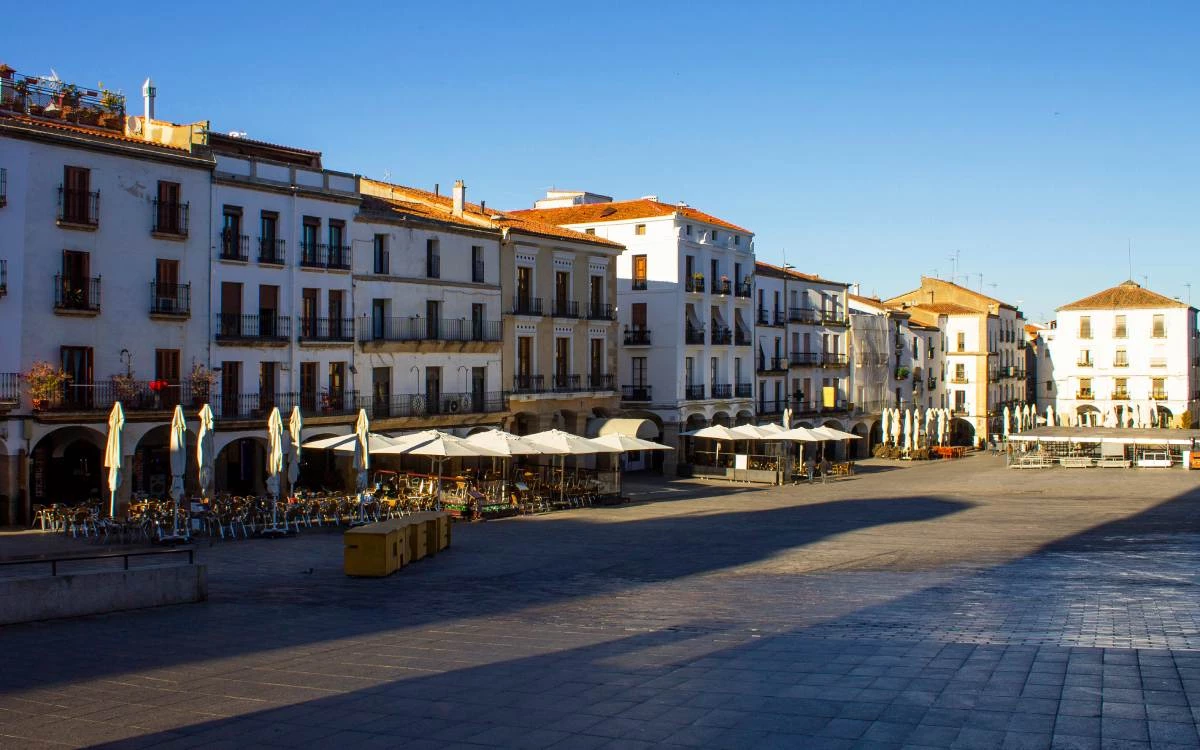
(1158, 395)
(601, 381)
(272, 251)
(638, 285)
(76, 294)
(771, 406)
(235, 247)
(722, 286)
(171, 218)
(529, 384)
(79, 207)
(1120, 395)
(830, 359)
(744, 289)
(320, 255)
(170, 299)
(721, 336)
(477, 272)
(433, 266)
(637, 337)
(230, 406)
(601, 311)
(527, 306)
(636, 393)
(134, 395)
(743, 390)
(326, 329)
(959, 379)
(272, 327)
(1083, 363)
(722, 390)
(566, 383)
(694, 283)
(1084, 395)
(802, 315)
(10, 387)
(694, 392)
(741, 337)
(805, 359)
(427, 405)
(831, 318)
(772, 364)
(1120, 363)
(693, 335)
(565, 308)
(428, 329)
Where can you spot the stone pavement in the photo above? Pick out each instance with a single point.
(950, 605)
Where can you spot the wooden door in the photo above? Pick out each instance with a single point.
(166, 368)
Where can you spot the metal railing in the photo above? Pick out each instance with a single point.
(636, 393)
(79, 207)
(638, 285)
(427, 405)
(529, 384)
(170, 299)
(134, 395)
(771, 406)
(744, 289)
(722, 390)
(54, 560)
(601, 311)
(830, 318)
(830, 359)
(637, 337)
(1158, 395)
(802, 315)
(326, 329)
(320, 255)
(722, 286)
(601, 381)
(1084, 395)
(272, 251)
(1083, 363)
(10, 387)
(527, 306)
(170, 217)
(565, 308)
(743, 390)
(1119, 395)
(273, 327)
(234, 247)
(741, 337)
(428, 329)
(694, 335)
(802, 359)
(72, 293)
(721, 336)
(566, 383)
(959, 379)
(772, 364)
(694, 283)
(694, 392)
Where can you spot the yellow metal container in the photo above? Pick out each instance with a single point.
(367, 552)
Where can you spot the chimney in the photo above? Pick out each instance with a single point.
(460, 197)
(148, 92)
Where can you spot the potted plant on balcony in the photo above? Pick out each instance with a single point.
(203, 380)
(125, 388)
(45, 383)
(902, 373)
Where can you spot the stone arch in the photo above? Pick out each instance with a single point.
(835, 424)
(1088, 416)
(523, 423)
(240, 466)
(151, 470)
(68, 466)
(860, 448)
(962, 432)
(603, 412)
(1165, 417)
(745, 416)
(874, 435)
(318, 468)
(722, 418)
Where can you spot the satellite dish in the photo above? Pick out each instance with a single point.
(133, 124)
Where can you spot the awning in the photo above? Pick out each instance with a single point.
(639, 428)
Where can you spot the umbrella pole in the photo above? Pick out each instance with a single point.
(112, 503)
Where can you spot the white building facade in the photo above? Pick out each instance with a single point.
(1123, 354)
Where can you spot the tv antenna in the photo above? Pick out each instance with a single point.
(954, 267)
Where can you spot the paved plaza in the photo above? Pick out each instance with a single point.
(947, 605)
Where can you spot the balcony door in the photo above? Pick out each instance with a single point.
(76, 194)
(268, 374)
(378, 316)
(166, 369)
(562, 359)
(231, 308)
(76, 278)
(166, 286)
(77, 363)
(337, 385)
(433, 390)
(268, 309)
(308, 386)
(337, 312)
(433, 319)
(596, 361)
(381, 391)
(477, 317)
(308, 312)
(637, 316)
(231, 387)
(562, 290)
(524, 288)
(524, 361)
(478, 389)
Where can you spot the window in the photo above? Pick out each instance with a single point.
(231, 386)
(268, 377)
(1158, 388)
(337, 385)
(270, 247)
(379, 310)
(637, 316)
(478, 314)
(382, 261)
(1085, 388)
(1159, 327)
(590, 230)
(433, 319)
(308, 312)
(170, 215)
(381, 390)
(716, 235)
(1121, 359)
(308, 386)
(524, 360)
(962, 341)
(309, 252)
(639, 229)
(737, 239)
(168, 296)
(562, 359)
(433, 259)
(78, 204)
(166, 367)
(687, 230)
(960, 373)
(597, 360)
(1085, 326)
(1085, 358)
(477, 264)
(1120, 330)
(231, 233)
(433, 389)
(689, 371)
(639, 272)
(638, 373)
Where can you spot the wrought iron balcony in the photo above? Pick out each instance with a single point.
(772, 364)
(771, 406)
(170, 299)
(693, 335)
(426, 405)
(170, 217)
(805, 359)
(601, 311)
(601, 381)
(566, 383)
(636, 393)
(76, 294)
(272, 251)
(10, 387)
(134, 395)
(722, 286)
(80, 208)
(830, 318)
(959, 380)
(269, 327)
(1083, 363)
(743, 390)
(565, 308)
(722, 390)
(744, 289)
(802, 315)
(428, 329)
(721, 336)
(637, 337)
(320, 255)
(741, 337)
(527, 306)
(694, 283)
(694, 392)
(326, 329)
(638, 285)
(1084, 394)
(1158, 395)
(1120, 394)
(529, 384)
(829, 359)
(338, 258)
(234, 247)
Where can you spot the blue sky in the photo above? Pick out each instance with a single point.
(866, 141)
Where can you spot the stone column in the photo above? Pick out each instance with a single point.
(671, 458)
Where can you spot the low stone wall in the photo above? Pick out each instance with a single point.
(92, 593)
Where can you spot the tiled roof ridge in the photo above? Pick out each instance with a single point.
(1127, 294)
(653, 208)
(71, 127)
(795, 274)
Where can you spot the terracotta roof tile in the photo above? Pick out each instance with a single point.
(641, 208)
(1126, 295)
(946, 308)
(70, 127)
(767, 269)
